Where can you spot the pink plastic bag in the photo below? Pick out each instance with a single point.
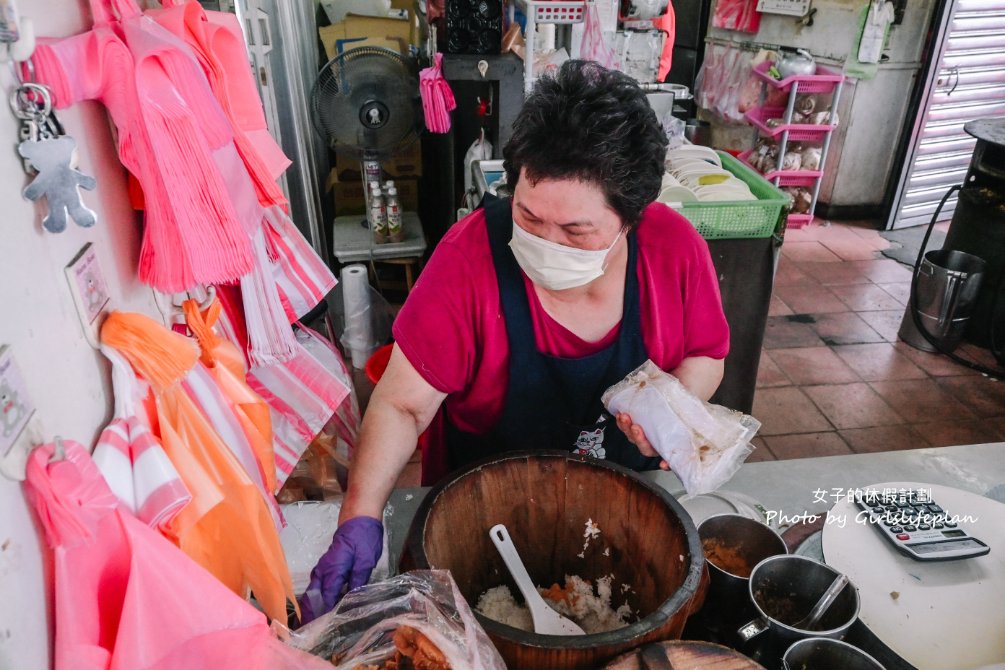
(303, 393)
(594, 47)
(125, 597)
(739, 15)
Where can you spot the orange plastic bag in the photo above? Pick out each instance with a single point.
(226, 363)
(227, 528)
(125, 597)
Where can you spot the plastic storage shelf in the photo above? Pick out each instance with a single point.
(798, 132)
(823, 81)
(543, 11)
(741, 218)
(786, 177)
(555, 11)
(798, 220)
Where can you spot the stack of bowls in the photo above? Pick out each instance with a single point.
(695, 174)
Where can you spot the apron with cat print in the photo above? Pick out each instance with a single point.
(553, 402)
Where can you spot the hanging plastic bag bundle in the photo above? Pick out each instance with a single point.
(125, 597)
(131, 459)
(704, 444)
(227, 367)
(217, 385)
(302, 393)
(228, 527)
(420, 614)
(437, 98)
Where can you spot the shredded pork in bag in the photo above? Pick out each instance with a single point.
(704, 444)
(418, 619)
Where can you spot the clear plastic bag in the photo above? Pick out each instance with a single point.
(704, 444)
(361, 629)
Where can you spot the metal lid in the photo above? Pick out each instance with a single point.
(987, 130)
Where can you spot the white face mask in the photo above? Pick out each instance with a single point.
(557, 267)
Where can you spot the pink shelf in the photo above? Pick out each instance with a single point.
(798, 220)
(823, 81)
(787, 177)
(798, 132)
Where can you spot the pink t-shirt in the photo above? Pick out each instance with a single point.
(452, 329)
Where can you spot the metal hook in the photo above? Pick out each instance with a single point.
(31, 101)
(59, 451)
(204, 304)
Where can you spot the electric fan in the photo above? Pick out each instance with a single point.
(366, 104)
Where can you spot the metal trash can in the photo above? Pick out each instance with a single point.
(948, 282)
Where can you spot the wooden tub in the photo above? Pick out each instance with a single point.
(545, 499)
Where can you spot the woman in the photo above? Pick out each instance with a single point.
(533, 305)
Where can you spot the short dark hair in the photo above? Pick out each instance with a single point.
(595, 125)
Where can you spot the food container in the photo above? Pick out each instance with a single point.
(784, 589)
(734, 544)
(546, 499)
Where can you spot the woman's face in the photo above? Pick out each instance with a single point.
(566, 211)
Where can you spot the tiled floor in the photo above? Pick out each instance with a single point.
(833, 377)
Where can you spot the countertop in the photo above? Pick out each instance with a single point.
(796, 490)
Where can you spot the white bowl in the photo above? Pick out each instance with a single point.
(676, 194)
(695, 177)
(694, 151)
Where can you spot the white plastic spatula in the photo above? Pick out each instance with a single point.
(546, 620)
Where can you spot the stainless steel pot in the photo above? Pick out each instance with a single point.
(785, 588)
(800, 62)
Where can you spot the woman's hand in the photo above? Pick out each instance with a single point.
(637, 436)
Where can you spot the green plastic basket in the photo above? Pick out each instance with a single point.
(743, 218)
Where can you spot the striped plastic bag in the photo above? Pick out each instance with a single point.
(303, 394)
(302, 278)
(131, 459)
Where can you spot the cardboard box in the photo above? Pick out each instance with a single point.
(359, 31)
(408, 163)
(348, 195)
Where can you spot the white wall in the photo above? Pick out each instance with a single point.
(66, 378)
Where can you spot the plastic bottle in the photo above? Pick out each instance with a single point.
(377, 215)
(394, 229)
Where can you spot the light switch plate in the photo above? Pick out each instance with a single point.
(89, 290)
(17, 410)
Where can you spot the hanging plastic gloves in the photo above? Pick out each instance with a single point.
(437, 98)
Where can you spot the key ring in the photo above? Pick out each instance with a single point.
(25, 107)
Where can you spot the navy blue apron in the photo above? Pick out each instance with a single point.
(552, 402)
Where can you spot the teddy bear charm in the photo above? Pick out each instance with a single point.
(50, 156)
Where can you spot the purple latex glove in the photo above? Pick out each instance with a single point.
(350, 559)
